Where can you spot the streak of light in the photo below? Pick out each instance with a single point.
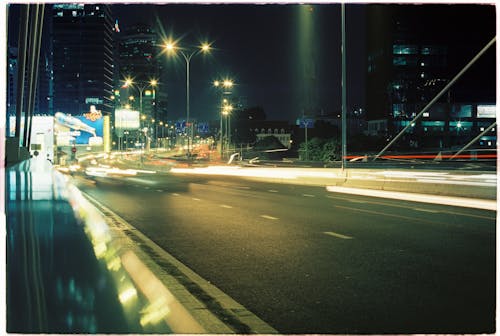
(423, 198)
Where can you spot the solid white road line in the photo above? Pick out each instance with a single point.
(425, 210)
(226, 206)
(423, 198)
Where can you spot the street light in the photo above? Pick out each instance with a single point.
(224, 84)
(140, 87)
(226, 110)
(204, 48)
(129, 82)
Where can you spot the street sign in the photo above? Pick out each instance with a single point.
(305, 122)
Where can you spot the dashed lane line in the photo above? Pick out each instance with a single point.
(308, 195)
(337, 235)
(226, 206)
(269, 217)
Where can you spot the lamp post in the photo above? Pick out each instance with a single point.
(170, 47)
(226, 110)
(225, 84)
(141, 87)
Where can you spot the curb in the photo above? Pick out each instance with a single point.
(215, 311)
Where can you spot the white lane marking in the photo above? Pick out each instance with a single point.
(273, 191)
(308, 195)
(356, 201)
(269, 217)
(195, 199)
(159, 190)
(423, 198)
(409, 207)
(338, 235)
(175, 194)
(147, 188)
(243, 187)
(226, 206)
(425, 210)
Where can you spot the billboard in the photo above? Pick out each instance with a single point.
(486, 111)
(86, 129)
(126, 120)
(42, 134)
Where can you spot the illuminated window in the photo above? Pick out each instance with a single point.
(397, 110)
(404, 49)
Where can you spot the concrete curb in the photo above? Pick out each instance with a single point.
(213, 310)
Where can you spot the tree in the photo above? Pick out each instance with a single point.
(320, 149)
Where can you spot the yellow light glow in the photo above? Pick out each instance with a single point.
(114, 264)
(205, 47)
(153, 82)
(169, 46)
(100, 249)
(127, 295)
(155, 313)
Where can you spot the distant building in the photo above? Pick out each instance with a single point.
(412, 56)
(82, 58)
(138, 60)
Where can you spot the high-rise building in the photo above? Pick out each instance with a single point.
(413, 53)
(139, 62)
(83, 64)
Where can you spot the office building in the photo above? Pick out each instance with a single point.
(413, 53)
(82, 58)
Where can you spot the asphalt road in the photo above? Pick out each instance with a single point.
(308, 261)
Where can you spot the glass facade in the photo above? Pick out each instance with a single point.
(83, 63)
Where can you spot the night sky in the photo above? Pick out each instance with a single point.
(256, 46)
(263, 49)
(259, 47)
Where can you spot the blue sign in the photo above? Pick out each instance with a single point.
(203, 128)
(305, 122)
